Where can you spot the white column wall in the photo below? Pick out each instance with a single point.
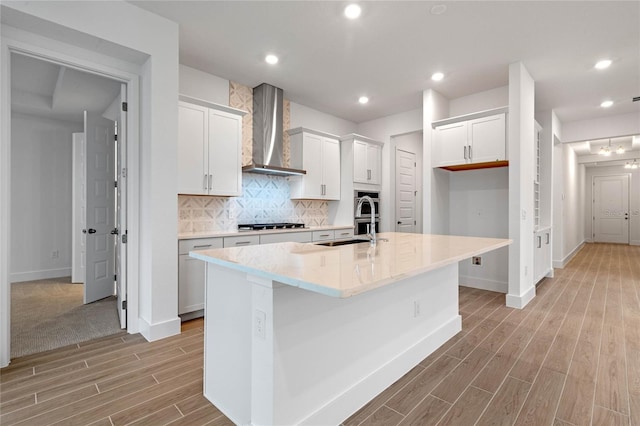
(521, 174)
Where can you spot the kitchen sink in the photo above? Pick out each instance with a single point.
(342, 242)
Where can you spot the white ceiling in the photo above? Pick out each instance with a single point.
(49, 90)
(390, 52)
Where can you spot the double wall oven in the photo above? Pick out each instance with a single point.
(363, 223)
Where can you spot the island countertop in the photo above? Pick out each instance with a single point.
(348, 270)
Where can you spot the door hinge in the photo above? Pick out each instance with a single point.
(415, 222)
(124, 173)
(115, 277)
(124, 106)
(124, 237)
(115, 184)
(114, 231)
(115, 138)
(124, 305)
(415, 193)
(415, 164)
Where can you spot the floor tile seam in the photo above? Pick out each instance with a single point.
(34, 375)
(386, 406)
(485, 318)
(155, 397)
(87, 375)
(557, 402)
(485, 304)
(624, 348)
(433, 396)
(599, 354)
(612, 410)
(60, 421)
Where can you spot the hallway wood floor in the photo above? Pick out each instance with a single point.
(571, 357)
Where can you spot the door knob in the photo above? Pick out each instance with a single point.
(90, 231)
(399, 223)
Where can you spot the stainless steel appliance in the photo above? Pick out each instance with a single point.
(363, 222)
(366, 208)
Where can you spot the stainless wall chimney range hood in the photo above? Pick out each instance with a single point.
(267, 157)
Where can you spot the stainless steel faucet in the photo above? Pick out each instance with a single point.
(372, 228)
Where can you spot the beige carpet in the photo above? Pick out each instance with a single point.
(49, 314)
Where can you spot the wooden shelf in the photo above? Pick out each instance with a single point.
(476, 166)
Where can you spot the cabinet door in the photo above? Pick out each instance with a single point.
(191, 282)
(225, 139)
(487, 139)
(331, 169)
(450, 145)
(374, 157)
(360, 162)
(192, 149)
(312, 161)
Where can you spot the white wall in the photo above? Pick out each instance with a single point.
(634, 199)
(479, 201)
(489, 99)
(382, 129)
(40, 197)
(138, 34)
(601, 128)
(303, 116)
(202, 85)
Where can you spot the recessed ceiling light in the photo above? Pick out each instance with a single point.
(606, 104)
(363, 99)
(603, 64)
(438, 9)
(437, 76)
(271, 59)
(352, 11)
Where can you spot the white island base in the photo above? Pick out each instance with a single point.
(281, 355)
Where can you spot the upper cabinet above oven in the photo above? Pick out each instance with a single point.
(366, 156)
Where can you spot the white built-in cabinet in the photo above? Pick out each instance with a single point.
(209, 148)
(474, 139)
(319, 154)
(542, 263)
(367, 159)
(192, 271)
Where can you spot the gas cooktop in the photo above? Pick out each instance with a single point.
(261, 226)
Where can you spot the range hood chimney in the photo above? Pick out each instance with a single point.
(267, 157)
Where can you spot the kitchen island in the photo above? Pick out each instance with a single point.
(306, 334)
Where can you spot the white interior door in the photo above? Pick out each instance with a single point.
(405, 191)
(78, 201)
(121, 211)
(100, 142)
(611, 209)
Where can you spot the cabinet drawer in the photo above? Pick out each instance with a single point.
(323, 235)
(342, 234)
(247, 240)
(297, 237)
(185, 246)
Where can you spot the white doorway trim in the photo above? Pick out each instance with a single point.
(10, 45)
(614, 220)
(420, 173)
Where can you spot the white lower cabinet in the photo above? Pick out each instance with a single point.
(192, 274)
(541, 254)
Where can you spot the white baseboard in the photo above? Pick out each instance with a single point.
(160, 330)
(19, 277)
(634, 243)
(562, 263)
(483, 284)
(520, 301)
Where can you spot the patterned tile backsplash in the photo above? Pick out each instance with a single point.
(265, 199)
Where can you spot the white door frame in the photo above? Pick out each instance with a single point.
(592, 235)
(72, 60)
(393, 147)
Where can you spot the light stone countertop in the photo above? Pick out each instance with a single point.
(235, 232)
(348, 270)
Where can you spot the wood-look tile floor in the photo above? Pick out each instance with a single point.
(571, 357)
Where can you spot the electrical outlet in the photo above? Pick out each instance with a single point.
(416, 308)
(260, 324)
(476, 260)
(55, 254)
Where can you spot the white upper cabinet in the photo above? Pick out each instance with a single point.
(458, 142)
(367, 159)
(319, 154)
(209, 150)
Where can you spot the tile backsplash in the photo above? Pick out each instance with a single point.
(265, 199)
